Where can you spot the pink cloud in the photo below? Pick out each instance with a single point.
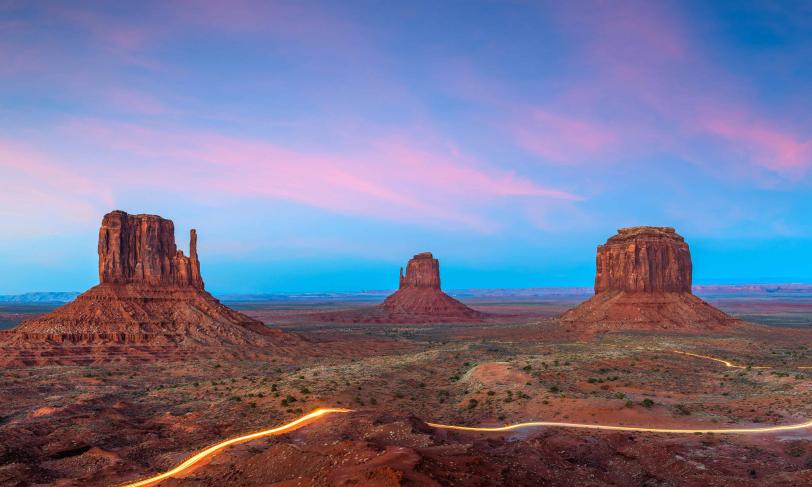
(642, 84)
(138, 102)
(561, 138)
(767, 146)
(41, 195)
(389, 178)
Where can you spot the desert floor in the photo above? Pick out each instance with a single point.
(108, 424)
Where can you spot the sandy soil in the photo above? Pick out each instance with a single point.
(105, 424)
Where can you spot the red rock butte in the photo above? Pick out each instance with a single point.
(418, 299)
(150, 301)
(643, 281)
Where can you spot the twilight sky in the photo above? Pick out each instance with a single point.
(317, 146)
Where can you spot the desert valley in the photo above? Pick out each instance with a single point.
(647, 384)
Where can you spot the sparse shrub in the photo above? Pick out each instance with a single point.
(647, 403)
(795, 449)
(682, 410)
(472, 403)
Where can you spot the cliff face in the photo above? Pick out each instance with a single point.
(150, 302)
(644, 259)
(140, 249)
(422, 271)
(419, 299)
(643, 281)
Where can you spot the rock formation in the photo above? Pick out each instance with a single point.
(150, 301)
(643, 281)
(419, 299)
(140, 249)
(422, 271)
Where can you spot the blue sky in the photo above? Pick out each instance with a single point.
(317, 146)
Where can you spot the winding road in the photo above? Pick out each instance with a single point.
(196, 459)
(731, 364)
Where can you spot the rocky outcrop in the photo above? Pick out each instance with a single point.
(643, 281)
(150, 302)
(419, 299)
(644, 259)
(422, 271)
(140, 249)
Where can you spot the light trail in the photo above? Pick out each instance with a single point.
(210, 451)
(511, 427)
(302, 421)
(733, 365)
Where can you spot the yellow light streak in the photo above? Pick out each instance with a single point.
(731, 364)
(302, 421)
(210, 451)
(511, 427)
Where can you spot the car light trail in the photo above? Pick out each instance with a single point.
(302, 421)
(210, 451)
(731, 364)
(496, 429)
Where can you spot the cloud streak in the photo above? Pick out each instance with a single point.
(389, 177)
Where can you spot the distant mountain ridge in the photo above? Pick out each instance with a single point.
(473, 293)
(39, 297)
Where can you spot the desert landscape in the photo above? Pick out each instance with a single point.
(365, 243)
(145, 371)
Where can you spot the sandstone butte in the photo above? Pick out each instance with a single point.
(150, 301)
(418, 299)
(643, 281)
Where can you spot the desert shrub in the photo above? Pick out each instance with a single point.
(682, 410)
(795, 449)
(647, 403)
(472, 403)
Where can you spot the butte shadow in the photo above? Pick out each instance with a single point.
(150, 302)
(643, 282)
(419, 299)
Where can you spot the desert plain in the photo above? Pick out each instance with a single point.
(111, 422)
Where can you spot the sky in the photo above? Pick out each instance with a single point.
(316, 146)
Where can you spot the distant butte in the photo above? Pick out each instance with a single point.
(418, 299)
(643, 281)
(150, 301)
